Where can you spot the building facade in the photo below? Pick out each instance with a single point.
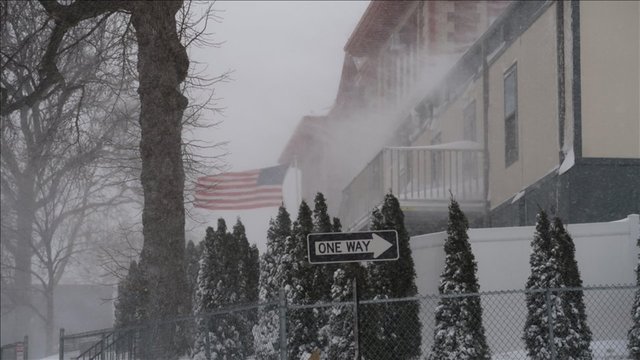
(509, 107)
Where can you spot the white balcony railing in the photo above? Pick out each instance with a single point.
(424, 176)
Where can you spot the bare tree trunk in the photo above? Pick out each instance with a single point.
(24, 253)
(162, 66)
(50, 320)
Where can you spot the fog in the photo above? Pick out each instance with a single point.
(357, 138)
(283, 68)
(291, 81)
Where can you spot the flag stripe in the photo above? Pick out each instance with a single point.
(225, 187)
(240, 207)
(257, 191)
(230, 175)
(206, 182)
(241, 190)
(242, 200)
(231, 187)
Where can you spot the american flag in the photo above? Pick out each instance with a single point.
(244, 190)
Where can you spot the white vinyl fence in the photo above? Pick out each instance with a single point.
(606, 253)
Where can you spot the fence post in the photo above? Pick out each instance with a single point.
(61, 344)
(25, 347)
(102, 343)
(207, 339)
(129, 344)
(282, 312)
(552, 345)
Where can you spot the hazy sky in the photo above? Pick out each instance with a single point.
(287, 58)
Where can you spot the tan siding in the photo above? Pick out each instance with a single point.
(535, 55)
(452, 119)
(424, 138)
(449, 122)
(610, 41)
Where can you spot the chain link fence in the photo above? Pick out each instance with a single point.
(379, 329)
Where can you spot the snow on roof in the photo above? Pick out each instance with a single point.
(455, 145)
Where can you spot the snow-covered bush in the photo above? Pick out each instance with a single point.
(459, 332)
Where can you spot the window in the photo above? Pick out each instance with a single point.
(511, 116)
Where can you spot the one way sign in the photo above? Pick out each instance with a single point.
(326, 248)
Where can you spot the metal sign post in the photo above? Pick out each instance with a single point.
(331, 248)
(356, 320)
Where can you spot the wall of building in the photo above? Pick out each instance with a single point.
(522, 208)
(532, 181)
(600, 190)
(393, 64)
(610, 63)
(449, 123)
(451, 26)
(534, 54)
(592, 189)
(313, 177)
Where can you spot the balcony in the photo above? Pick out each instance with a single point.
(422, 178)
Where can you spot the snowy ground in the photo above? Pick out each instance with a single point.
(67, 356)
(602, 350)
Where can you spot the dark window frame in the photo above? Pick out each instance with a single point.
(511, 137)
